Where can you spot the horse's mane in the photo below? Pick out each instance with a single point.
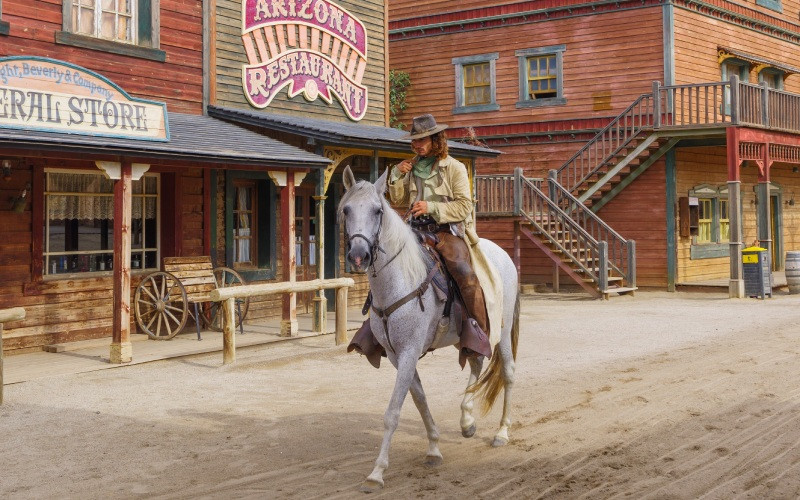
(395, 234)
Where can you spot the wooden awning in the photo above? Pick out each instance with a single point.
(728, 53)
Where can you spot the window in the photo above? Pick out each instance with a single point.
(108, 19)
(728, 68)
(250, 227)
(128, 27)
(540, 77)
(475, 83)
(713, 228)
(244, 224)
(771, 4)
(79, 223)
(772, 77)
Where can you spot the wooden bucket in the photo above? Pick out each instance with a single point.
(793, 271)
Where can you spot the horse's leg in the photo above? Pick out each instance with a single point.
(434, 456)
(406, 368)
(467, 420)
(501, 438)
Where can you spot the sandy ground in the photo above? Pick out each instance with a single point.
(654, 396)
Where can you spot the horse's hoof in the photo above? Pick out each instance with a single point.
(371, 486)
(433, 461)
(499, 441)
(468, 432)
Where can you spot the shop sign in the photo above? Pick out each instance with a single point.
(55, 96)
(315, 47)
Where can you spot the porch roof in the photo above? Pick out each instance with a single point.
(754, 59)
(196, 138)
(338, 133)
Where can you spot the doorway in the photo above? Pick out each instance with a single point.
(305, 246)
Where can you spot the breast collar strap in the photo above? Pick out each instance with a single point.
(384, 314)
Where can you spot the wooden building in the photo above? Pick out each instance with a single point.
(138, 130)
(674, 124)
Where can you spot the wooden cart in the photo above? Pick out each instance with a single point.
(162, 299)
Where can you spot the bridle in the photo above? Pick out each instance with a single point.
(374, 246)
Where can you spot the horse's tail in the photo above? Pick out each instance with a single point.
(488, 386)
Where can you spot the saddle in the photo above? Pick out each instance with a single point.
(473, 341)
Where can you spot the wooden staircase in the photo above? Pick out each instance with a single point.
(564, 223)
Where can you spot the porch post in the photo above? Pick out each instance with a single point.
(736, 284)
(288, 257)
(121, 349)
(320, 319)
(763, 207)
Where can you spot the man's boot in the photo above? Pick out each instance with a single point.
(364, 342)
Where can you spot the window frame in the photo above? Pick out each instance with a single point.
(744, 76)
(4, 26)
(524, 101)
(46, 251)
(771, 4)
(716, 247)
(774, 72)
(458, 64)
(252, 185)
(147, 40)
(266, 229)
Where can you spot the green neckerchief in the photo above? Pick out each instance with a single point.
(424, 167)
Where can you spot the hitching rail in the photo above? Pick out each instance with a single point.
(230, 294)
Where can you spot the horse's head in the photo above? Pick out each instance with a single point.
(361, 211)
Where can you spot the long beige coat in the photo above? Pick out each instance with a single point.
(453, 184)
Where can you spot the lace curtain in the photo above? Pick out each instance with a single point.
(85, 206)
(243, 205)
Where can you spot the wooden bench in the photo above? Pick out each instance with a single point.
(163, 297)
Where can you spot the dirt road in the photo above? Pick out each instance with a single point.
(655, 396)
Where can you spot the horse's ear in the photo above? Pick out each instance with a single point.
(380, 184)
(348, 178)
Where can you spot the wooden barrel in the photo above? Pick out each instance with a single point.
(793, 271)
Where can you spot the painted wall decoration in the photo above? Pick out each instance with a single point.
(315, 47)
(54, 96)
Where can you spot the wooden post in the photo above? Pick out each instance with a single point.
(736, 283)
(734, 98)
(320, 319)
(341, 315)
(656, 104)
(13, 314)
(228, 337)
(121, 349)
(518, 251)
(288, 257)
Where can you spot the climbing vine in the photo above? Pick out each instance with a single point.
(399, 82)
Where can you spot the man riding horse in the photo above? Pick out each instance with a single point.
(436, 187)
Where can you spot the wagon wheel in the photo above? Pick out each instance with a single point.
(160, 305)
(213, 313)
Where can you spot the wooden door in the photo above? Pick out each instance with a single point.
(305, 242)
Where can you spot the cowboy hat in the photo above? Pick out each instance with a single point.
(423, 126)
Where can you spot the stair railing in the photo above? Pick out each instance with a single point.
(496, 194)
(565, 234)
(610, 140)
(621, 252)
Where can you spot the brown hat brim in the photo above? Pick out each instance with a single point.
(434, 130)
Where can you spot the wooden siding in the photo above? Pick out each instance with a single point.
(708, 165)
(596, 49)
(68, 309)
(178, 81)
(697, 39)
(230, 56)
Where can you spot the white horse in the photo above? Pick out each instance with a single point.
(377, 237)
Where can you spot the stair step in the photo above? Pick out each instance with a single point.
(621, 289)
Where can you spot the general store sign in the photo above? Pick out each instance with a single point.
(314, 47)
(55, 96)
